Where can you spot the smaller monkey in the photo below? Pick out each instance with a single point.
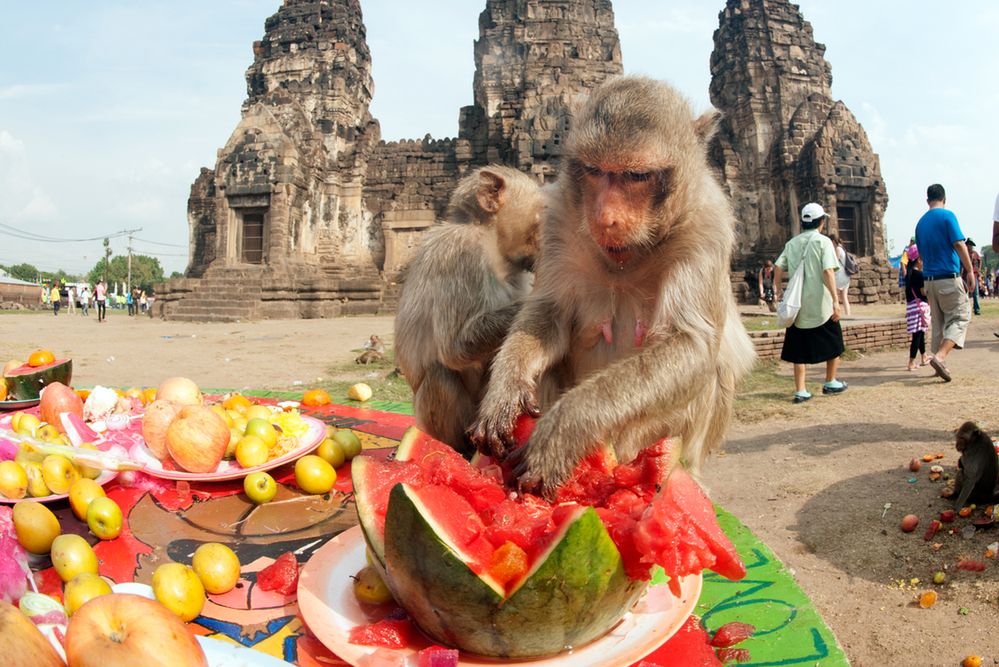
(461, 292)
(375, 343)
(978, 467)
(374, 351)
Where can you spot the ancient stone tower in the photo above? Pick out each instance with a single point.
(784, 141)
(308, 214)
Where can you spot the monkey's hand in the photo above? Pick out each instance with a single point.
(545, 462)
(492, 432)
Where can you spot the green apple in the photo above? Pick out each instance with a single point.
(59, 473)
(260, 487)
(104, 518)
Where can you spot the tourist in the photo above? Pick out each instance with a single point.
(71, 299)
(941, 245)
(85, 300)
(130, 302)
(842, 277)
(976, 265)
(55, 298)
(143, 302)
(45, 296)
(816, 335)
(766, 285)
(101, 293)
(917, 309)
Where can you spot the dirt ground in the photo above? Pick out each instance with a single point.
(812, 480)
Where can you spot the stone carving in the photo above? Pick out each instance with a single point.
(307, 213)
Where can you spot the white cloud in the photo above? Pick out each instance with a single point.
(38, 208)
(21, 198)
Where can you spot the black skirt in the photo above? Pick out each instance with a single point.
(812, 346)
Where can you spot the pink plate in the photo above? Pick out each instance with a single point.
(102, 479)
(329, 608)
(230, 469)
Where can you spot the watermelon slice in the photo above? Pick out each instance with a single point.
(26, 382)
(465, 547)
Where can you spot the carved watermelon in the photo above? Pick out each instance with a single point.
(25, 382)
(492, 572)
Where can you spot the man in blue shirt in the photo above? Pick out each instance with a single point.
(941, 245)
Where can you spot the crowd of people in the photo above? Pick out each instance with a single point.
(941, 275)
(136, 301)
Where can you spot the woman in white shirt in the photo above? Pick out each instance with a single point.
(842, 279)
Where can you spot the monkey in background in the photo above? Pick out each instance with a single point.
(631, 332)
(977, 468)
(461, 292)
(374, 351)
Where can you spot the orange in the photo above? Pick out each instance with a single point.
(40, 358)
(148, 395)
(237, 402)
(82, 393)
(315, 398)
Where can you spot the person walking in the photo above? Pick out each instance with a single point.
(917, 309)
(765, 279)
(100, 298)
(816, 335)
(85, 300)
(55, 298)
(842, 277)
(71, 299)
(976, 267)
(941, 245)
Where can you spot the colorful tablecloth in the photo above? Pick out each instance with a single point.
(166, 521)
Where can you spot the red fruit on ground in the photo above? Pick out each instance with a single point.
(281, 575)
(931, 530)
(948, 516)
(909, 523)
(731, 634)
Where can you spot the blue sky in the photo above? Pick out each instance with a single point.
(108, 109)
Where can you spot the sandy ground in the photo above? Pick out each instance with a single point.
(812, 481)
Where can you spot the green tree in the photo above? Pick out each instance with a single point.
(989, 259)
(23, 272)
(146, 270)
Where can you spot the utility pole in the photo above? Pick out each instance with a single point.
(128, 285)
(107, 257)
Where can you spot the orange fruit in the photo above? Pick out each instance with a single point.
(40, 358)
(237, 402)
(315, 398)
(148, 395)
(82, 393)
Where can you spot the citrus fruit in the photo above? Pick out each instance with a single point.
(40, 358)
(315, 398)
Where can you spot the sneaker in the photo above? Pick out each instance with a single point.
(834, 387)
(802, 396)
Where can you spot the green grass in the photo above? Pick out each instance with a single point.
(385, 383)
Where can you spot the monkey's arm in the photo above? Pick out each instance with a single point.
(661, 381)
(539, 338)
(478, 338)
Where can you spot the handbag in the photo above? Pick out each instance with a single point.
(790, 302)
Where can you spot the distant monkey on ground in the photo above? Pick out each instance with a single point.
(374, 350)
(977, 468)
(631, 333)
(461, 292)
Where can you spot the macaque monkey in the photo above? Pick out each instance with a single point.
(631, 332)
(977, 468)
(460, 295)
(374, 350)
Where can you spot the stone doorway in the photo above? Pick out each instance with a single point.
(252, 246)
(846, 217)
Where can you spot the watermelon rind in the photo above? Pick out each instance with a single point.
(576, 592)
(365, 509)
(26, 382)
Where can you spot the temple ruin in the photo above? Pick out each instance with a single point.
(308, 213)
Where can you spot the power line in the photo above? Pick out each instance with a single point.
(172, 245)
(31, 236)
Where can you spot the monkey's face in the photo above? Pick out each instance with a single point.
(619, 209)
(518, 229)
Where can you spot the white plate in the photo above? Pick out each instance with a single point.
(230, 469)
(328, 606)
(225, 654)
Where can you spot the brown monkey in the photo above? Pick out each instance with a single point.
(631, 333)
(977, 469)
(460, 295)
(374, 350)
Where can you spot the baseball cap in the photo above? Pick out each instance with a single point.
(969, 242)
(812, 212)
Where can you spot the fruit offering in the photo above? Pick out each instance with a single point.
(25, 381)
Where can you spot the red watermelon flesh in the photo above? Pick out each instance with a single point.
(675, 529)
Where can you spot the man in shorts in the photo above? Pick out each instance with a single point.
(816, 335)
(995, 247)
(941, 245)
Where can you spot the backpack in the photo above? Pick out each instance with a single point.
(850, 264)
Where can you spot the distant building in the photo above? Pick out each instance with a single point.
(307, 213)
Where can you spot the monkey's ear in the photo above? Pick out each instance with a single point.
(706, 126)
(490, 194)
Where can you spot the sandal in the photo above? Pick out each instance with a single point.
(941, 370)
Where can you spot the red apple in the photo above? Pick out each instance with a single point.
(56, 399)
(123, 630)
(909, 523)
(197, 439)
(155, 422)
(22, 644)
(179, 390)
